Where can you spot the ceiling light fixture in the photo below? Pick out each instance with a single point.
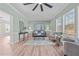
(41, 5)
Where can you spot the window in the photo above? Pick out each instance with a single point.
(7, 28)
(4, 28)
(39, 26)
(47, 27)
(69, 23)
(59, 24)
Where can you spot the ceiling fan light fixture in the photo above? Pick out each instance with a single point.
(41, 5)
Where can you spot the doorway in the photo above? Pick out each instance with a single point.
(4, 26)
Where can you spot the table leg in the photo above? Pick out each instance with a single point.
(23, 37)
(19, 37)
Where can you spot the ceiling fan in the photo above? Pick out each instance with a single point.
(41, 5)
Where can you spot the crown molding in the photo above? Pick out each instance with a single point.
(16, 10)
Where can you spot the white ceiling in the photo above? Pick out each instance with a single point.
(4, 17)
(37, 15)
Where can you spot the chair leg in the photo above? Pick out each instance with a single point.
(65, 54)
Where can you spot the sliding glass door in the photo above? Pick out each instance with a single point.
(69, 23)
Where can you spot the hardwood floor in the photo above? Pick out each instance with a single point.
(20, 49)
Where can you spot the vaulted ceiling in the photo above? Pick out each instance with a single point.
(38, 15)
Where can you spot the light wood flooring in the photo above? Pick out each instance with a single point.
(20, 49)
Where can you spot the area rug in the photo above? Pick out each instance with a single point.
(38, 42)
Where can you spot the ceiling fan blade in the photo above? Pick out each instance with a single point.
(27, 3)
(35, 7)
(41, 7)
(48, 5)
